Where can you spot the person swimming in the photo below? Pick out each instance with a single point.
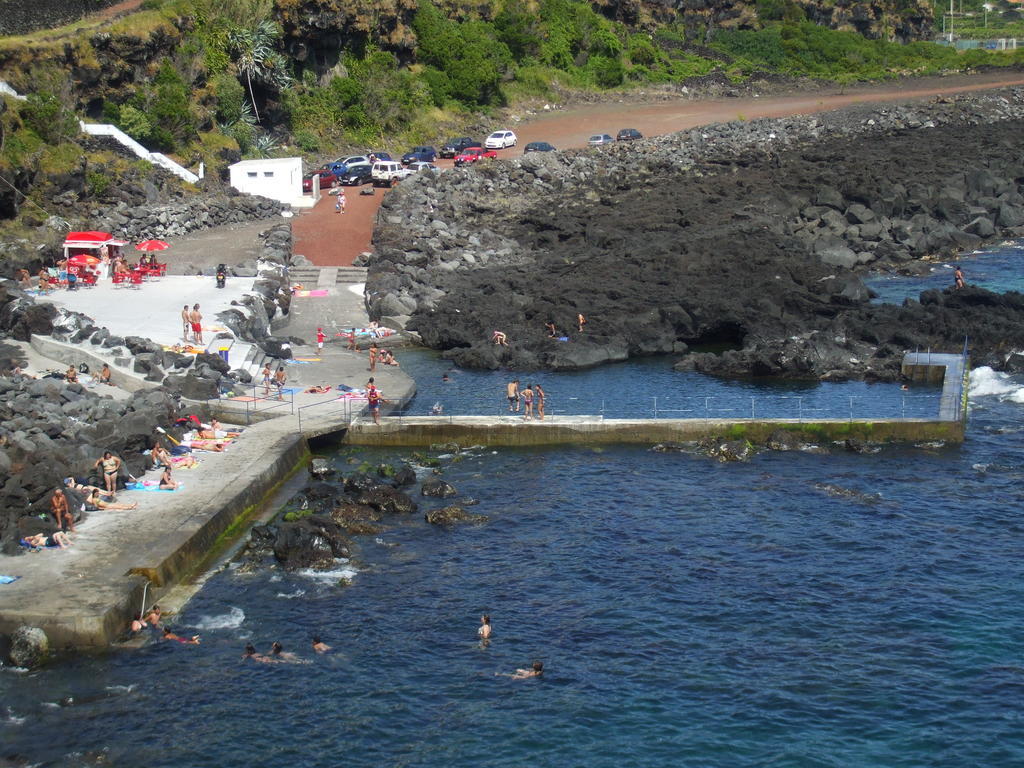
(484, 631)
(319, 645)
(169, 635)
(250, 653)
(278, 653)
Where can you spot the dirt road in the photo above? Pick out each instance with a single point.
(329, 239)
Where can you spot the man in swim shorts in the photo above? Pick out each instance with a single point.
(196, 318)
(61, 514)
(512, 392)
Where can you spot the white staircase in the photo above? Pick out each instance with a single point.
(102, 129)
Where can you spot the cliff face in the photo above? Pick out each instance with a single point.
(893, 20)
(20, 16)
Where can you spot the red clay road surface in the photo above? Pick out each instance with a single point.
(330, 239)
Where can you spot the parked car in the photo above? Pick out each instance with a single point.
(538, 146)
(600, 138)
(339, 166)
(422, 154)
(359, 173)
(628, 134)
(501, 140)
(472, 154)
(421, 166)
(452, 147)
(387, 173)
(382, 155)
(327, 177)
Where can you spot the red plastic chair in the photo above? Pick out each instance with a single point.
(136, 279)
(89, 279)
(120, 278)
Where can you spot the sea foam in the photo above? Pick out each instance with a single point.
(988, 383)
(230, 620)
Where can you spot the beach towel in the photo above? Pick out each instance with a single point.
(29, 547)
(315, 293)
(306, 359)
(300, 361)
(150, 485)
(290, 390)
(8, 579)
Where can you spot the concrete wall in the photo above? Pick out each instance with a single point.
(425, 431)
(76, 354)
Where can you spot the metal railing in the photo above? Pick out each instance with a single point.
(256, 402)
(348, 407)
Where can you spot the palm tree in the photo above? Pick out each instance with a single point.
(255, 57)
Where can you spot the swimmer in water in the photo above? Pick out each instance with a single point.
(537, 670)
(484, 632)
(250, 653)
(278, 653)
(169, 635)
(319, 645)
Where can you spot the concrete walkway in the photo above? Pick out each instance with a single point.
(85, 596)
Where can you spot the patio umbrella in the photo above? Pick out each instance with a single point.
(83, 260)
(152, 245)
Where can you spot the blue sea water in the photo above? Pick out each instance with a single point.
(796, 610)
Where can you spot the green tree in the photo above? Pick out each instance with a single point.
(48, 118)
(252, 49)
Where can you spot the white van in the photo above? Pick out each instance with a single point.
(387, 173)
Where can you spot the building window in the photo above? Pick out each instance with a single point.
(268, 174)
(251, 174)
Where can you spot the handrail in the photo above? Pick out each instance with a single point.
(347, 408)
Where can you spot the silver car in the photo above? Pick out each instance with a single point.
(600, 138)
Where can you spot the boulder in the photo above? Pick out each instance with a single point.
(29, 647)
(438, 488)
(321, 468)
(452, 514)
(387, 499)
(313, 542)
(731, 450)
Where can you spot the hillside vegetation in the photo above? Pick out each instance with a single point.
(214, 80)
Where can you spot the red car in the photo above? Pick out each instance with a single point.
(327, 178)
(472, 154)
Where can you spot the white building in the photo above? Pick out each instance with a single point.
(278, 178)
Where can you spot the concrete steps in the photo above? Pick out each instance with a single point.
(325, 277)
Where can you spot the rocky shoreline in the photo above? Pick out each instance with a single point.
(738, 247)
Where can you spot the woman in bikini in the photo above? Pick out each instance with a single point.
(167, 483)
(56, 539)
(538, 396)
(527, 396)
(110, 465)
(96, 501)
(161, 458)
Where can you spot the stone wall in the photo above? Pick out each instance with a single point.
(20, 16)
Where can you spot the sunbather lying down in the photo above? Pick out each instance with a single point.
(197, 444)
(318, 389)
(57, 539)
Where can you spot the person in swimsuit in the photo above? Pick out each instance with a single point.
(56, 539)
(373, 356)
(110, 465)
(484, 632)
(186, 323)
(154, 616)
(279, 379)
(538, 396)
(250, 653)
(321, 337)
(527, 403)
(278, 653)
(551, 329)
(499, 338)
(352, 342)
(373, 400)
(169, 635)
(267, 375)
(59, 509)
(167, 483)
(196, 318)
(512, 391)
(160, 456)
(536, 670)
(71, 375)
(580, 321)
(96, 501)
(958, 278)
(319, 645)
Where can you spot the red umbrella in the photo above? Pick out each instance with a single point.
(152, 245)
(83, 260)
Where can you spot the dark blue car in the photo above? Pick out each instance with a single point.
(419, 155)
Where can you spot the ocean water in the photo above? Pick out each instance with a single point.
(795, 610)
(998, 267)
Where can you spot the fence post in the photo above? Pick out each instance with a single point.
(800, 410)
(706, 399)
(655, 407)
(851, 408)
(903, 406)
(751, 409)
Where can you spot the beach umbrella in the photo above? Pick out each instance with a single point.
(152, 245)
(83, 260)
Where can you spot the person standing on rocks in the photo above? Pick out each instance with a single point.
(61, 514)
(512, 392)
(196, 318)
(186, 322)
(373, 357)
(958, 278)
(352, 342)
(110, 466)
(580, 321)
